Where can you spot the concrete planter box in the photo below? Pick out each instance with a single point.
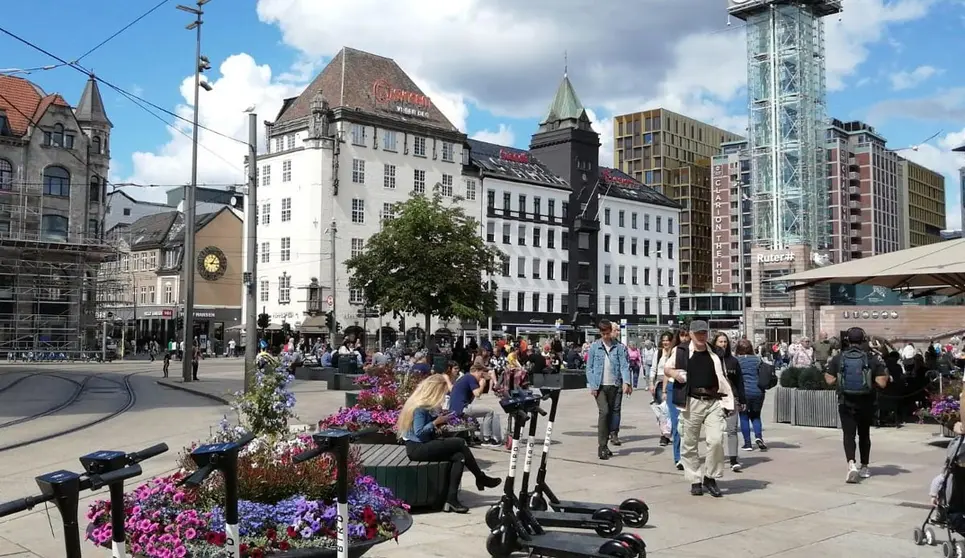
(351, 398)
(343, 382)
(310, 373)
(817, 408)
(784, 405)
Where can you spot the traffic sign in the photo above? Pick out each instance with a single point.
(330, 301)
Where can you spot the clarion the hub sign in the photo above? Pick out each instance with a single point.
(775, 258)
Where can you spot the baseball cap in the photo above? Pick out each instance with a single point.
(698, 326)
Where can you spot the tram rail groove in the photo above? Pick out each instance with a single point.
(129, 404)
(80, 387)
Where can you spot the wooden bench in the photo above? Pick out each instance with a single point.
(421, 485)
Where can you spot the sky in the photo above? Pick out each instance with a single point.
(491, 66)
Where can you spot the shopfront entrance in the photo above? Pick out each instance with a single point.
(777, 330)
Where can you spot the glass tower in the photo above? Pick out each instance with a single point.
(786, 90)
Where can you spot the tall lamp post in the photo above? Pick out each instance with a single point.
(671, 298)
(200, 64)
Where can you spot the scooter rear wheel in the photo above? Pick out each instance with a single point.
(636, 513)
(918, 536)
(635, 542)
(617, 549)
(501, 544)
(538, 503)
(613, 522)
(493, 516)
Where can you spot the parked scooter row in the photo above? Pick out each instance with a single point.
(517, 521)
(112, 468)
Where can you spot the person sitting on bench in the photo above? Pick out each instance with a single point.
(464, 391)
(418, 421)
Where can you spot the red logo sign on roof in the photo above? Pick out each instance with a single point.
(385, 94)
(514, 156)
(610, 177)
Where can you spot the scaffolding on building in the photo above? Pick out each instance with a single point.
(786, 83)
(49, 284)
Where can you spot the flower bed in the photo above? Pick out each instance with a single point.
(284, 507)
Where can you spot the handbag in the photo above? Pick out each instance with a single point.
(680, 391)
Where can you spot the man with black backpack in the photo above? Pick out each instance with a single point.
(857, 372)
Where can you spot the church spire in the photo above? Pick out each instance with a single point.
(90, 109)
(567, 110)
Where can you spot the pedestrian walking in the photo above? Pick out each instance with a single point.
(196, 361)
(607, 371)
(167, 362)
(704, 398)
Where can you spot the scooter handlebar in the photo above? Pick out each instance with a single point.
(541, 412)
(307, 455)
(22, 504)
(147, 453)
(245, 440)
(120, 475)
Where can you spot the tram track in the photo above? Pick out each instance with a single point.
(130, 402)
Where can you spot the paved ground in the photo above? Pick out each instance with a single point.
(789, 502)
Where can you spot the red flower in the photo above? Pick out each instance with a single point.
(283, 545)
(368, 516)
(257, 553)
(370, 533)
(243, 548)
(270, 534)
(291, 532)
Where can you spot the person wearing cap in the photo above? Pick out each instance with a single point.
(608, 379)
(704, 397)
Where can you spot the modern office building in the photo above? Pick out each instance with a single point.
(922, 207)
(358, 140)
(671, 153)
(789, 187)
(54, 160)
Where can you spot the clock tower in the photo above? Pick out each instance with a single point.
(568, 145)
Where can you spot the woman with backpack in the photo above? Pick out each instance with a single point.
(758, 377)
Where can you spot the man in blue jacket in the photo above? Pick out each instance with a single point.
(607, 371)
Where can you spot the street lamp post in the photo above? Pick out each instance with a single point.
(200, 64)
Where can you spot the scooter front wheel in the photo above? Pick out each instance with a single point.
(501, 544)
(635, 542)
(636, 513)
(538, 503)
(493, 516)
(616, 549)
(612, 522)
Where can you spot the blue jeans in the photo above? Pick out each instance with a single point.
(635, 372)
(752, 417)
(674, 414)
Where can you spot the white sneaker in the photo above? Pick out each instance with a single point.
(736, 467)
(853, 474)
(864, 472)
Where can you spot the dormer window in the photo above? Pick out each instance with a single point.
(96, 146)
(57, 138)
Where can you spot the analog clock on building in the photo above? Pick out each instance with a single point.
(212, 263)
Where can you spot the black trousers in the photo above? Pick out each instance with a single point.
(194, 369)
(609, 401)
(856, 421)
(446, 449)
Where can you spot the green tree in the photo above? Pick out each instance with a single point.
(430, 260)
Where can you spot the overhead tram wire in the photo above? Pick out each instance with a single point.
(121, 30)
(124, 92)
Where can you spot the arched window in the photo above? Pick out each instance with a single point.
(56, 181)
(96, 147)
(6, 175)
(57, 136)
(95, 189)
(54, 228)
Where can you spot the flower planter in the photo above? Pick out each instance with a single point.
(402, 519)
(817, 408)
(784, 404)
(387, 438)
(948, 432)
(310, 373)
(343, 382)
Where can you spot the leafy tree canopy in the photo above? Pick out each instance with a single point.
(431, 260)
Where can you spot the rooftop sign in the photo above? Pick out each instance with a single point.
(514, 156)
(610, 177)
(405, 102)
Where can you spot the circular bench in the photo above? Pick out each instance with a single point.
(421, 485)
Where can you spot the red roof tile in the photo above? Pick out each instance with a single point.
(21, 99)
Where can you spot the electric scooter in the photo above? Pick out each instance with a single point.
(605, 521)
(518, 529)
(336, 442)
(635, 512)
(222, 457)
(104, 462)
(63, 489)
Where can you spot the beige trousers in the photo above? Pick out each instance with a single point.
(705, 415)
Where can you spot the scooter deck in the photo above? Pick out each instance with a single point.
(570, 506)
(565, 545)
(566, 519)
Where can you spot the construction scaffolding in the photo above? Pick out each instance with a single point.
(786, 82)
(49, 284)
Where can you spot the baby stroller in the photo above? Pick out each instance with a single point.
(939, 516)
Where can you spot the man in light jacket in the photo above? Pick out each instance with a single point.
(703, 395)
(607, 371)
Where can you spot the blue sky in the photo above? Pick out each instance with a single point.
(491, 66)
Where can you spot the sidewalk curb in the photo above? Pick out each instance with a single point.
(217, 398)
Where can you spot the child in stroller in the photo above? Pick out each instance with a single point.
(947, 510)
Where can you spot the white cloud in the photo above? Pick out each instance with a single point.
(503, 136)
(452, 105)
(909, 80)
(604, 127)
(239, 83)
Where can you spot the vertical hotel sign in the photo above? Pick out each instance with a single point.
(720, 228)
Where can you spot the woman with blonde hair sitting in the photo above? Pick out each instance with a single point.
(418, 422)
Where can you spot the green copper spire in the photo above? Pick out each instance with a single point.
(566, 105)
